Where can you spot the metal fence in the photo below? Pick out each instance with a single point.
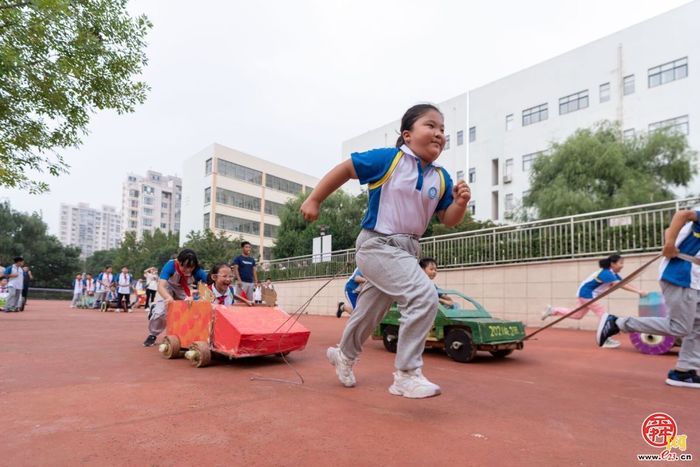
(624, 230)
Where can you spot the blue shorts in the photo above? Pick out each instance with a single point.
(351, 297)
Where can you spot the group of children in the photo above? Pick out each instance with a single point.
(406, 188)
(179, 280)
(108, 290)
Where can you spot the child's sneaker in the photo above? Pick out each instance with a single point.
(606, 328)
(684, 379)
(339, 311)
(150, 341)
(343, 366)
(547, 312)
(611, 343)
(413, 384)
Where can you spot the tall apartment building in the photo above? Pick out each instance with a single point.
(228, 191)
(151, 202)
(89, 228)
(640, 77)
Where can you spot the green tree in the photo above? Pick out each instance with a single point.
(340, 216)
(60, 60)
(467, 224)
(213, 248)
(52, 264)
(154, 249)
(595, 169)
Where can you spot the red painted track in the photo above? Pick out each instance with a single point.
(77, 387)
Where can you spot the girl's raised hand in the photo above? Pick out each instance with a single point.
(310, 209)
(461, 193)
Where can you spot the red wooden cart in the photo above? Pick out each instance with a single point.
(234, 331)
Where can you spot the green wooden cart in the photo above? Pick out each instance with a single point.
(461, 330)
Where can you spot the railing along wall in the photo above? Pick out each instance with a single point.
(623, 230)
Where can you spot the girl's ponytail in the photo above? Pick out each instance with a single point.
(605, 263)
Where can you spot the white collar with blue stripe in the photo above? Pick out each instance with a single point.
(419, 183)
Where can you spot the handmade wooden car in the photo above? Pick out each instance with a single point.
(233, 331)
(461, 330)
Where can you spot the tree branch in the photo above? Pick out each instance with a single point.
(15, 5)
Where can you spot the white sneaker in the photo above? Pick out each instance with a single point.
(547, 312)
(343, 366)
(413, 384)
(611, 343)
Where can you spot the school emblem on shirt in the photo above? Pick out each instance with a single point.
(432, 192)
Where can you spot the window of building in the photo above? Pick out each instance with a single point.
(628, 85)
(163, 226)
(509, 122)
(206, 221)
(472, 175)
(460, 175)
(273, 208)
(535, 114)
(277, 183)
(131, 178)
(671, 71)
(447, 142)
(509, 203)
(528, 159)
(604, 92)
(472, 134)
(134, 193)
(236, 224)
(207, 195)
(134, 203)
(134, 213)
(148, 190)
(508, 171)
(238, 200)
(673, 125)
(133, 224)
(628, 134)
(573, 102)
(148, 201)
(231, 170)
(270, 231)
(207, 167)
(155, 178)
(147, 211)
(164, 205)
(147, 222)
(471, 207)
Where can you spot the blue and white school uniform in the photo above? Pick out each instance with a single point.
(227, 298)
(352, 288)
(169, 273)
(680, 285)
(403, 197)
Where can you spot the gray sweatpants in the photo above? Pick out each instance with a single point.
(390, 265)
(683, 321)
(14, 300)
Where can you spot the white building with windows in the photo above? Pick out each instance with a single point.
(640, 77)
(89, 229)
(228, 191)
(151, 202)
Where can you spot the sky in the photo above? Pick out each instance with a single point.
(290, 81)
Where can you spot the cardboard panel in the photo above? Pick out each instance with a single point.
(189, 322)
(261, 330)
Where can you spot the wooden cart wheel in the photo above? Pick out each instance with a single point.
(201, 356)
(501, 353)
(390, 337)
(459, 345)
(170, 348)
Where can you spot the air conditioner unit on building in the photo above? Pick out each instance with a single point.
(507, 178)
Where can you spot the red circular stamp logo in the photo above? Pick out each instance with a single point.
(658, 428)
